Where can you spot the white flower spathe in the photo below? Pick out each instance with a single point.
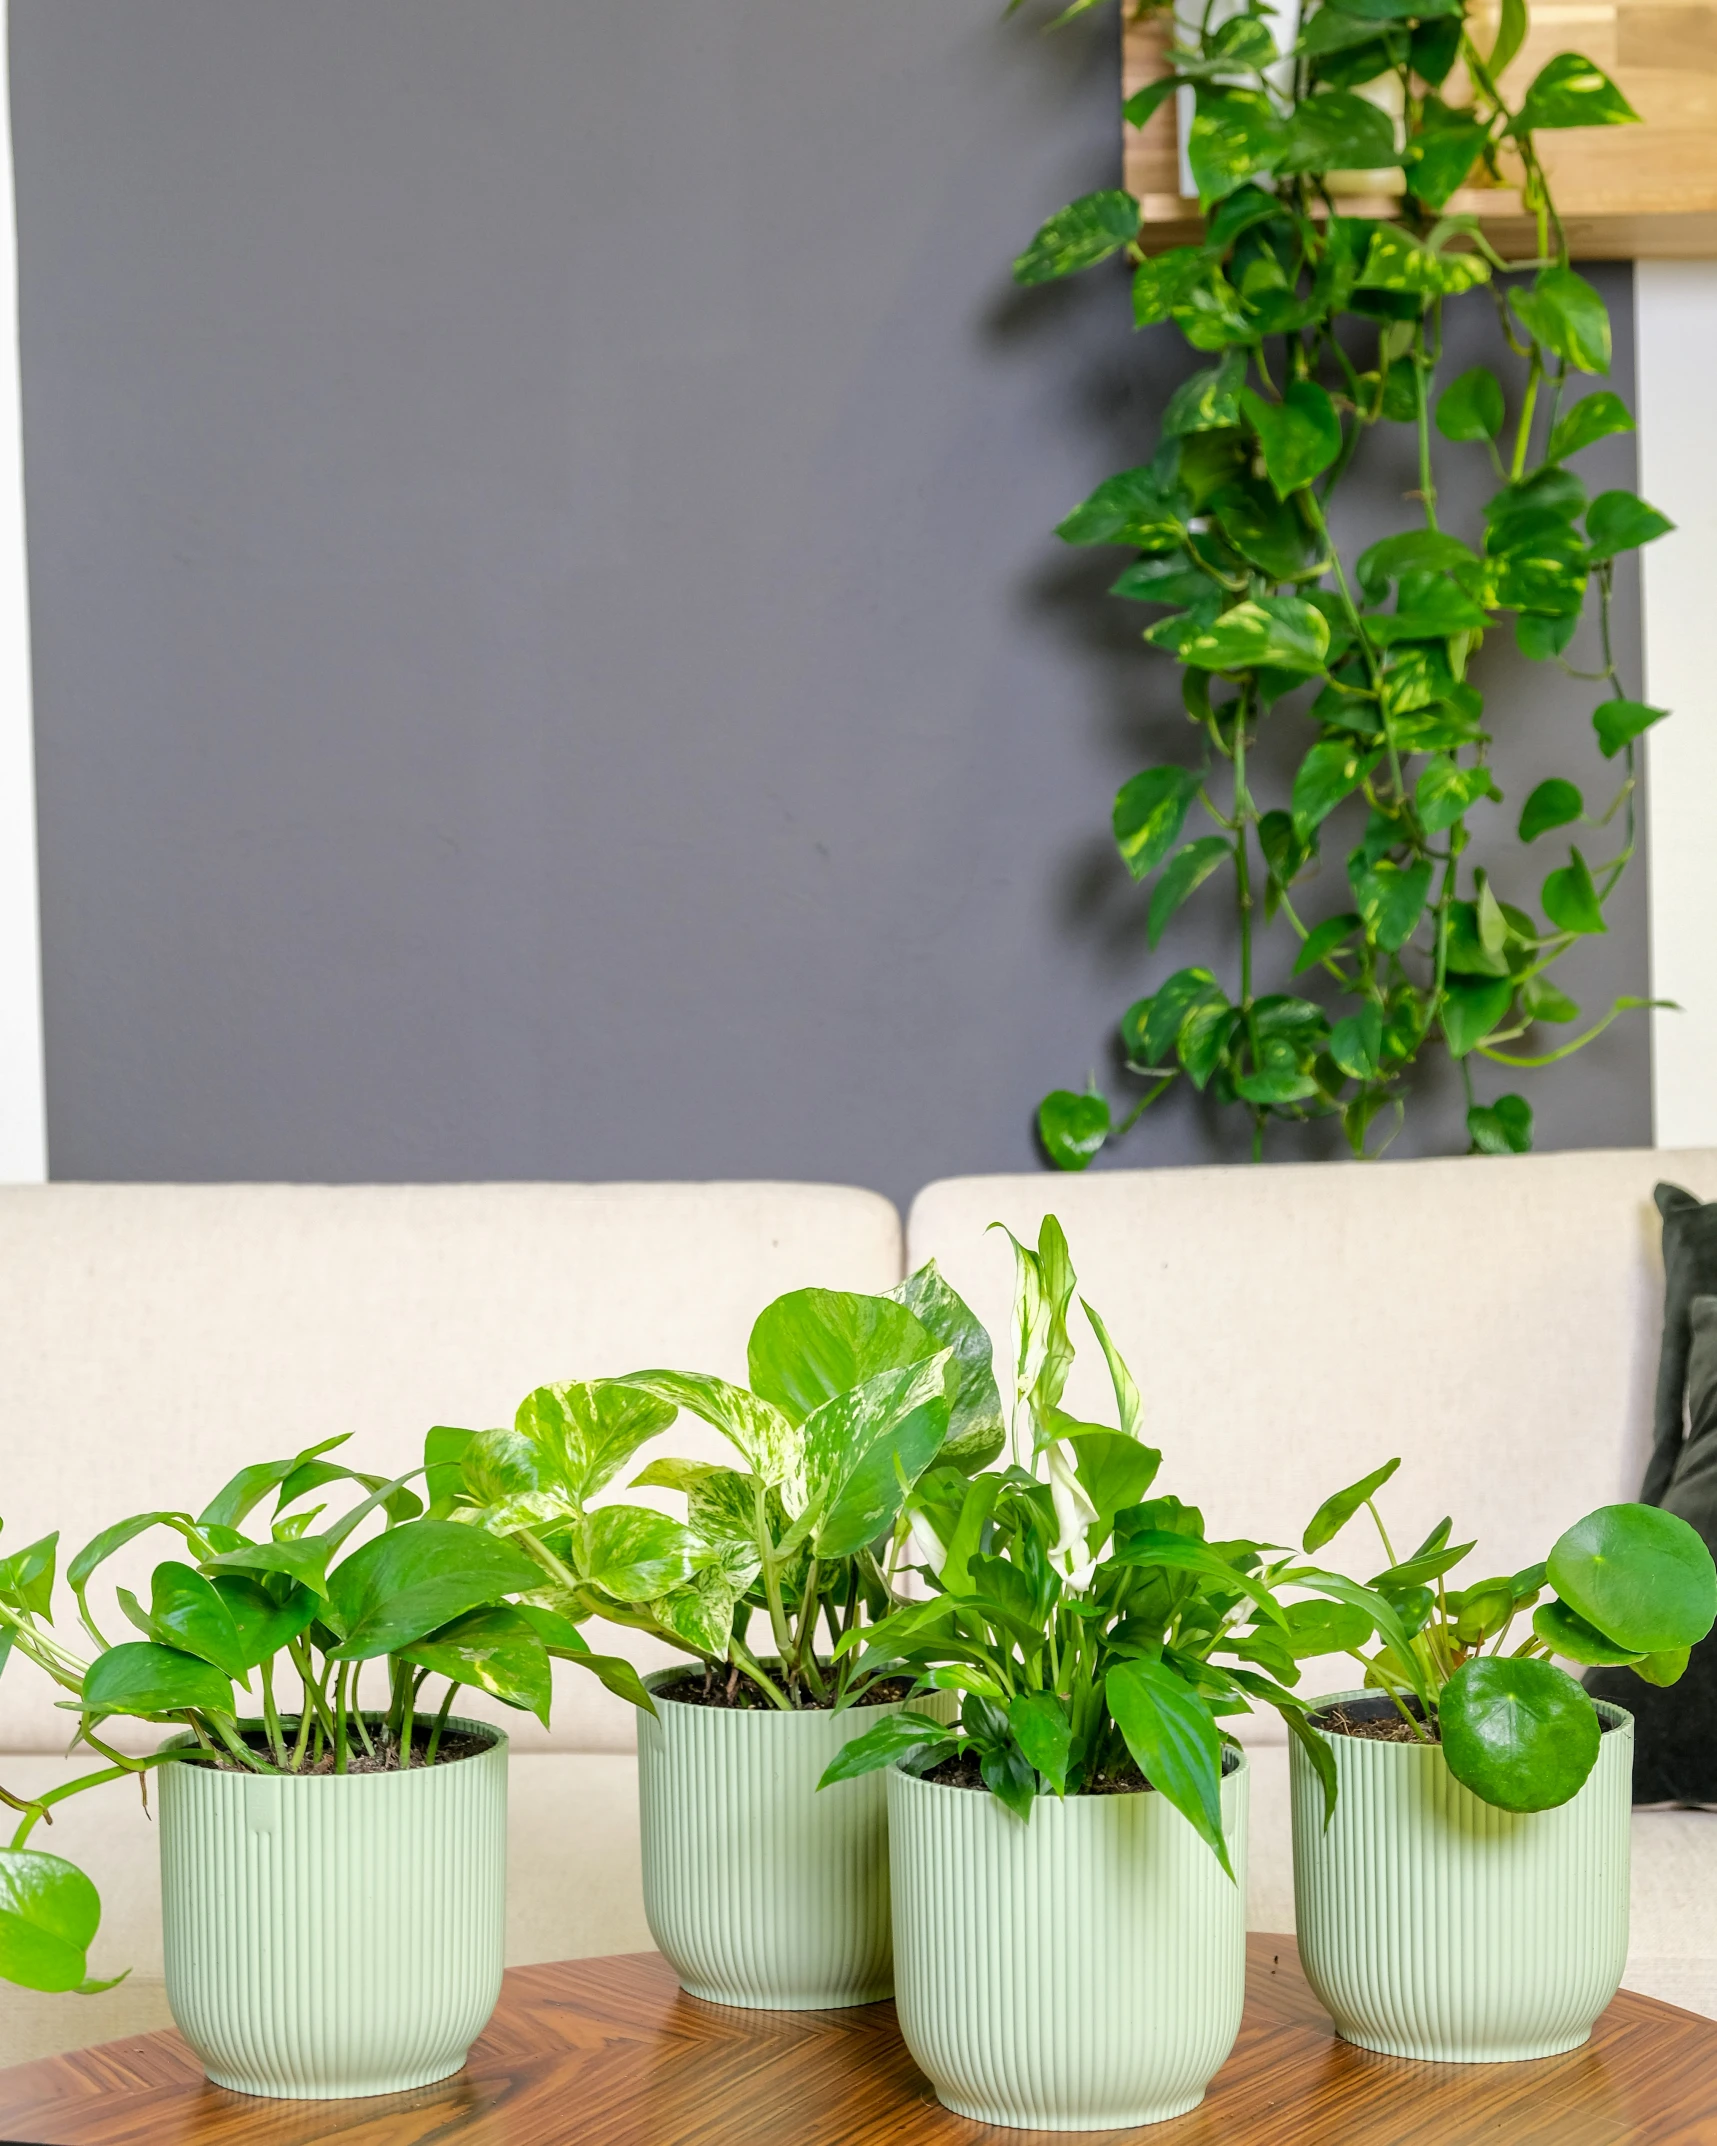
(1074, 1515)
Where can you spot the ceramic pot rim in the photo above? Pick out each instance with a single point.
(1241, 1766)
(498, 1741)
(1616, 1719)
(655, 1679)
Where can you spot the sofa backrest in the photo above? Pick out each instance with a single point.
(154, 1339)
(1495, 1323)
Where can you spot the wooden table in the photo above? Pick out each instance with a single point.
(610, 2053)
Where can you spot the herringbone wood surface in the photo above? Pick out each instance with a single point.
(609, 2053)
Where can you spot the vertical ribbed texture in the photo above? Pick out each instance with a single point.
(334, 1936)
(1082, 1971)
(759, 1889)
(1433, 1925)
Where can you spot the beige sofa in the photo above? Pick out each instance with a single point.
(1495, 1322)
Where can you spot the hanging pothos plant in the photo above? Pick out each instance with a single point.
(1314, 328)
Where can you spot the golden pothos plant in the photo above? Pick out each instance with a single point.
(1313, 328)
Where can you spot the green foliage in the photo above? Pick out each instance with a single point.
(1632, 1584)
(1094, 1631)
(306, 1599)
(1312, 328)
(852, 1399)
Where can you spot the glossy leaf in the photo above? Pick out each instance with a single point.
(1397, 261)
(1044, 1734)
(1335, 1512)
(1520, 1734)
(1283, 632)
(1300, 436)
(186, 1612)
(1447, 792)
(498, 1650)
(1392, 899)
(634, 1553)
(1592, 418)
(1150, 812)
(139, 1677)
(230, 1505)
(1235, 134)
(1332, 770)
(1566, 314)
(1619, 722)
(1471, 407)
(27, 1577)
(1566, 1633)
(812, 1344)
(1131, 508)
(895, 1736)
(1356, 1042)
(1571, 900)
(1182, 876)
(1553, 804)
(303, 1560)
(583, 1434)
(1570, 92)
(1085, 232)
(1642, 1576)
(1441, 155)
(865, 1448)
(1503, 1127)
(1338, 131)
(975, 1426)
(1174, 1743)
(414, 1579)
(1324, 939)
(1072, 1127)
(767, 1438)
(1115, 1469)
(49, 1912)
(1621, 521)
(1472, 1008)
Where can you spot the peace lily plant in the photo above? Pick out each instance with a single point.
(1088, 1804)
(249, 1653)
(1468, 1897)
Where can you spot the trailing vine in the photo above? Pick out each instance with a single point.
(1317, 327)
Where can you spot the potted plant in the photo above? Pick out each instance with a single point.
(1466, 1898)
(1318, 346)
(333, 1874)
(758, 1891)
(1069, 1856)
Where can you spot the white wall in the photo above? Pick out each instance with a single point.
(1676, 310)
(23, 1126)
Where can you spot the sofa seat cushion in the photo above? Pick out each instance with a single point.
(573, 1887)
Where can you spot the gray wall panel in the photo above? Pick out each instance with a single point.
(551, 660)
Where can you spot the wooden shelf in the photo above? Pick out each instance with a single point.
(1625, 193)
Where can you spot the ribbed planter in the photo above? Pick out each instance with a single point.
(335, 1935)
(758, 1889)
(1433, 1925)
(1084, 1971)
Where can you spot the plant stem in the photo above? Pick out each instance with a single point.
(434, 1746)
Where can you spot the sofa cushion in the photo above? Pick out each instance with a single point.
(1495, 1322)
(154, 1339)
(1675, 1726)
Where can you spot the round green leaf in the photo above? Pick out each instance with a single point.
(1520, 1734)
(48, 1914)
(1641, 1575)
(1072, 1127)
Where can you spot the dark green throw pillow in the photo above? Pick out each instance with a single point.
(1675, 1728)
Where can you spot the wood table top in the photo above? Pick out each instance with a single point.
(611, 2053)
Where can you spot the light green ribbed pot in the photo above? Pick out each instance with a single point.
(1084, 1971)
(1433, 1925)
(759, 1889)
(335, 1936)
